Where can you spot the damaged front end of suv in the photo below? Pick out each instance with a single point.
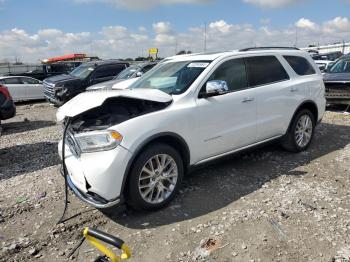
(93, 143)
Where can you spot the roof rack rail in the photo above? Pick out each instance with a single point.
(268, 48)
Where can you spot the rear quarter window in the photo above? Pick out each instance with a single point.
(300, 65)
(263, 70)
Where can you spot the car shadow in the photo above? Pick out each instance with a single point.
(24, 126)
(219, 184)
(20, 159)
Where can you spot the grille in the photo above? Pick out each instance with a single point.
(49, 91)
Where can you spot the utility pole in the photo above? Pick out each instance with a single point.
(296, 37)
(205, 37)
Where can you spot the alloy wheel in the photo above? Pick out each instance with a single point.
(158, 178)
(303, 131)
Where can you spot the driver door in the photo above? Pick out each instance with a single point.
(227, 121)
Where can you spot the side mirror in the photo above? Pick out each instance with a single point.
(139, 74)
(215, 87)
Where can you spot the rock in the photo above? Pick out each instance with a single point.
(33, 251)
(244, 246)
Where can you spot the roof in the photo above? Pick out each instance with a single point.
(6, 77)
(105, 62)
(213, 56)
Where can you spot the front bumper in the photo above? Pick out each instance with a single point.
(93, 200)
(337, 93)
(97, 178)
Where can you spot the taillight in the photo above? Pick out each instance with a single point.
(5, 91)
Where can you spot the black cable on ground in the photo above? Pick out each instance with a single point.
(66, 202)
(76, 247)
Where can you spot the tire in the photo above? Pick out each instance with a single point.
(291, 141)
(149, 190)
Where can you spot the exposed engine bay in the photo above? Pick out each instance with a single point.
(113, 111)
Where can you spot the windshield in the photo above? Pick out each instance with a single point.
(172, 77)
(127, 73)
(82, 71)
(341, 66)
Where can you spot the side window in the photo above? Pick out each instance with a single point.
(12, 81)
(300, 65)
(108, 71)
(147, 68)
(116, 69)
(30, 81)
(264, 70)
(102, 72)
(233, 72)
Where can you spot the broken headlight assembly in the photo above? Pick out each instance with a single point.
(97, 141)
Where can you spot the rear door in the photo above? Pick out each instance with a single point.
(16, 88)
(275, 96)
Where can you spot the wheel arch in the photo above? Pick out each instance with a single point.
(169, 138)
(308, 104)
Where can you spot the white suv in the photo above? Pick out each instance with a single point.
(136, 144)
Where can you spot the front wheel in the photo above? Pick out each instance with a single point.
(300, 132)
(155, 177)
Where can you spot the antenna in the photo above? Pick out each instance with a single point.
(296, 37)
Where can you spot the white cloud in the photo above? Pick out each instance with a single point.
(142, 29)
(338, 24)
(272, 3)
(304, 23)
(162, 28)
(221, 26)
(143, 4)
(120, 42)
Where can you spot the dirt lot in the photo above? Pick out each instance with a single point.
(264, 205)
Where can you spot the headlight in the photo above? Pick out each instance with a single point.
(58, 87)
(98, 141)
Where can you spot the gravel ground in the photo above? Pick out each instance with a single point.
(263, 205)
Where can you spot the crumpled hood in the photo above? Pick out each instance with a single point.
(336, 77)
(88, 100)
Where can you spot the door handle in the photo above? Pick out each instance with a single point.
(247, 99)
(294, 89)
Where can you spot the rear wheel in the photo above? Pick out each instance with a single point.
(155, 177)
(300, 132)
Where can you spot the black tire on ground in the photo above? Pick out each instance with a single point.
(288, 141)
(133, 195)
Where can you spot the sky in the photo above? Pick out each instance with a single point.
(38, 29)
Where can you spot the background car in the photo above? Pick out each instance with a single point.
(7, 107)
(331, 56)
(337, 82)
(323, 65)
(23, 88)
(128, 73)
(59, 89)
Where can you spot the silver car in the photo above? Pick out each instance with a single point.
(23, 88)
